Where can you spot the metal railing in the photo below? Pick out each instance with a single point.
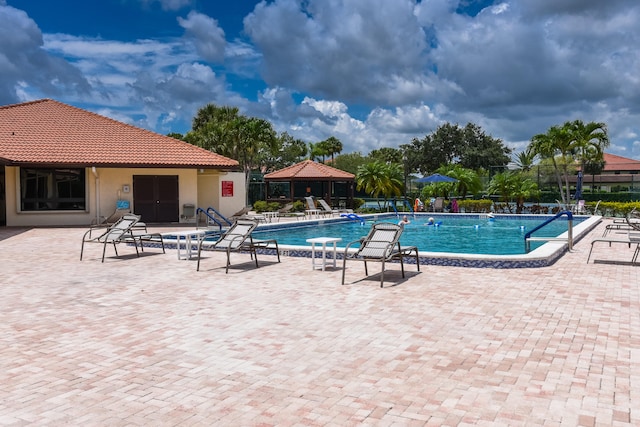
(568, 239)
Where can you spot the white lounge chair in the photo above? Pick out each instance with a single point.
(327, 209)
(382, 244)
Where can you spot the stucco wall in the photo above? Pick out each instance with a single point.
(210, 191)
(109, 185)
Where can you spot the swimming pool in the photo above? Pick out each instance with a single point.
(464, 240)
(501, 235)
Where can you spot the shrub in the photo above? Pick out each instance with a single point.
(298, 206)
(263, 206)
(357, 203)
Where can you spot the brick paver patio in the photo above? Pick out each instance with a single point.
(150, 341)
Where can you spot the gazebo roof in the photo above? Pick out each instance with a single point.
(309, 169)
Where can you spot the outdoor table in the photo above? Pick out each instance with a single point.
(187, 235)
(323, 241)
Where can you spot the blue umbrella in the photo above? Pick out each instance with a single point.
(578, 193)
(436, 177)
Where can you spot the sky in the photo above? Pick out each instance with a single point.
(372, 73)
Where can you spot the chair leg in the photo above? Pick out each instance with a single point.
(228, 261)
(590, 250)
(382, 274)
(255, 255)
(199, 251)
(81, 250)
(402, 265)
(344, 266)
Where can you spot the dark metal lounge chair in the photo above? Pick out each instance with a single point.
(122, 231)
(238, 239)
(382, 244)
(632, 238)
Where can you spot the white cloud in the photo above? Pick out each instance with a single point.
(208, 37)
(373, 74)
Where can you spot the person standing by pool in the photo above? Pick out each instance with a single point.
(404, 221)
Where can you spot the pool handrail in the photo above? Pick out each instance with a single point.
(569, 239)
(215, 212)
(353, 217)
(210, 219)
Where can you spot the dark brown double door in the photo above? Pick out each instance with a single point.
(156, 198)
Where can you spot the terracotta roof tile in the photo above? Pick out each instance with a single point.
(309, 169)
(619, 163)
(50, 132)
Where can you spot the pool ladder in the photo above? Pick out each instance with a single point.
(568, 239)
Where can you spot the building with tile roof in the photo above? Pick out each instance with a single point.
(309, 178)
(62, 165)
(619, 173)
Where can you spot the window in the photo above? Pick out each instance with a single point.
(52, 189)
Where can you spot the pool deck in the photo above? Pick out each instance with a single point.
(150, 341)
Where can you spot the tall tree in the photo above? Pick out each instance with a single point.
(317, 151)
(568, 145)
(468, 146)
(481, 151)
(350, 162)
(224, 131)
(387, 155)
(287, 151)
(332, 146)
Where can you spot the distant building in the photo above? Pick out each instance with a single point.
(619, 173)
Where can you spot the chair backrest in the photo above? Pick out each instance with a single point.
(632, 221)
(438, 204)
(325, 205)
(310, 203)
(286, 208)
(381, 240)
(237, 234)
(121, 228)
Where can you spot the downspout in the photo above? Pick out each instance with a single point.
(95, 173)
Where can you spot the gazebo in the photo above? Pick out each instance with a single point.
(309, 178)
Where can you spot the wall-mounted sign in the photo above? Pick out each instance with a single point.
(227, 188)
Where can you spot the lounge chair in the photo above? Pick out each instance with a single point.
(312, 210)
(438, 204)
(632, 237)
(579, 208)
(287, 211)
(382, 244)
(327, 209)
(238, 239)
(123, 207)
(122, 231)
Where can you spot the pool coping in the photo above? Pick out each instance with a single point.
(543, 256)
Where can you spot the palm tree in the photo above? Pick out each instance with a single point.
(590, 141)
(524, 160)
(317, 151)
(556, 146)
(378, 178)
(513, 185)
(468, 179)
(570, 143)
(333, 146)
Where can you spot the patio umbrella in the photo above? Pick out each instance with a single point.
(578, 193)
(436, 177)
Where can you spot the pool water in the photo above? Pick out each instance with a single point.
(502, 235)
